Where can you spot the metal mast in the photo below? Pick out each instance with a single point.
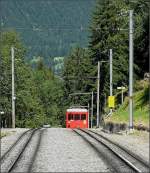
(131, 69)
(13, 89)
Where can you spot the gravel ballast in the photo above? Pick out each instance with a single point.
(12, 136)
(62, 150)
(137, 142)
(27, 158)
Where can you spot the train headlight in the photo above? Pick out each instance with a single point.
(84, 122)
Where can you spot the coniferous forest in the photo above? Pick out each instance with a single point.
(41, 96)
(48, 28)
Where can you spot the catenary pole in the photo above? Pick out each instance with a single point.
(13, 88)
(100, 116)
(88, 114)
(98, 86)
(92, 111)
(131, 69)
(111, 73)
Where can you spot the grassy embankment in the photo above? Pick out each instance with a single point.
(141, 106)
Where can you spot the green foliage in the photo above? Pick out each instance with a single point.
(77, 67)
(50, 94)
(107, 33)
(38, 92)
(109, 30)
(43, 97)
(141, 107)
(48, 28)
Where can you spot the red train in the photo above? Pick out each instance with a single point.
(77, 118)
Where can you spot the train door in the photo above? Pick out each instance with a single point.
(83, 120)
(69, 120)
(77, 122)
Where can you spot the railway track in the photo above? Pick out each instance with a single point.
(129, 152)
(116, 156)
(13, 145)
(12, 156)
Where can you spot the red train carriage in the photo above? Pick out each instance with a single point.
(77, 118)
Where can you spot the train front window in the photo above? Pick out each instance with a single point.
(83, 116)
(76, 117)
(70, 117)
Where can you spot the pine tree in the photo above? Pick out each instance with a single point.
(77, 71)
(109, 30)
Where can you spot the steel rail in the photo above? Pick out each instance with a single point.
(13, 145)
(95, 148)
(129, 155)
(127, 162)
(138, 158)
(21, 151)
(33, 158)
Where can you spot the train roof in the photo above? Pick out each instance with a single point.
(77, 110)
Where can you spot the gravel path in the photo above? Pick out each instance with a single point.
(7, 141)
(137, 142)
(62, 150)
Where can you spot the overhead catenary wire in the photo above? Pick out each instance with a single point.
(70, 28)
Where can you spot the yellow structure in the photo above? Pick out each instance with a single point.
(111, 101)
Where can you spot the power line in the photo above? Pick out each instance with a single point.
(48, 29)
(65, 29)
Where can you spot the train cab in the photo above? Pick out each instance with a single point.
(77, 118)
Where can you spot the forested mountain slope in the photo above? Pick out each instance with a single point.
(48, 27)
